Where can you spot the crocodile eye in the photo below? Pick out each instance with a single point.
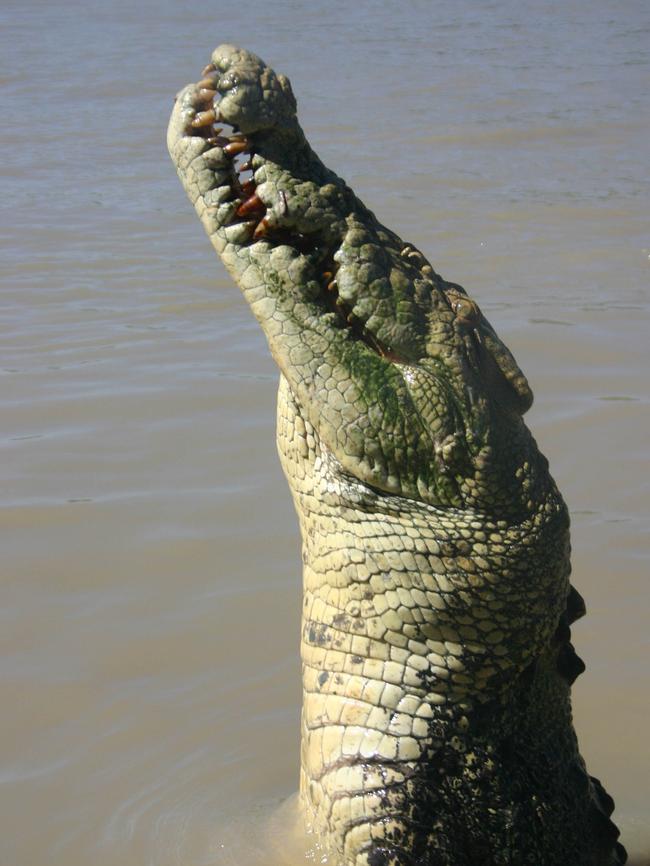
(465, 309)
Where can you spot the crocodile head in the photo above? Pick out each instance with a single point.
(403, 378)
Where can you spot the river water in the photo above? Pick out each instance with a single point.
(150, 566)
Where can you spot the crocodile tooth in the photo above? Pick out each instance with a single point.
(207, 83)
(261, 229)
(252, 204)
(208, 69)
(236, 147)
(575, 605)
(217, 141)
(233, 219)
(204, 118)
(205, 94)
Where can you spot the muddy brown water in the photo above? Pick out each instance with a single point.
(150, 562)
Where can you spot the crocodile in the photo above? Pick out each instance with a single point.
(436, 725)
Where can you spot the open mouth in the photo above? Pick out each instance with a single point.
(208, 125)
(250, 213)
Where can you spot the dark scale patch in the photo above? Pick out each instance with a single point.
(575, 605)
(528, 675)
(318, 634)
(562, 632)
(323, 676)
(449, 549)
(390, 855)
(605, 801)
(378, 857)
(569, 664)
(508, 795)
(607, 829)
(578, 778)
(620, 854)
